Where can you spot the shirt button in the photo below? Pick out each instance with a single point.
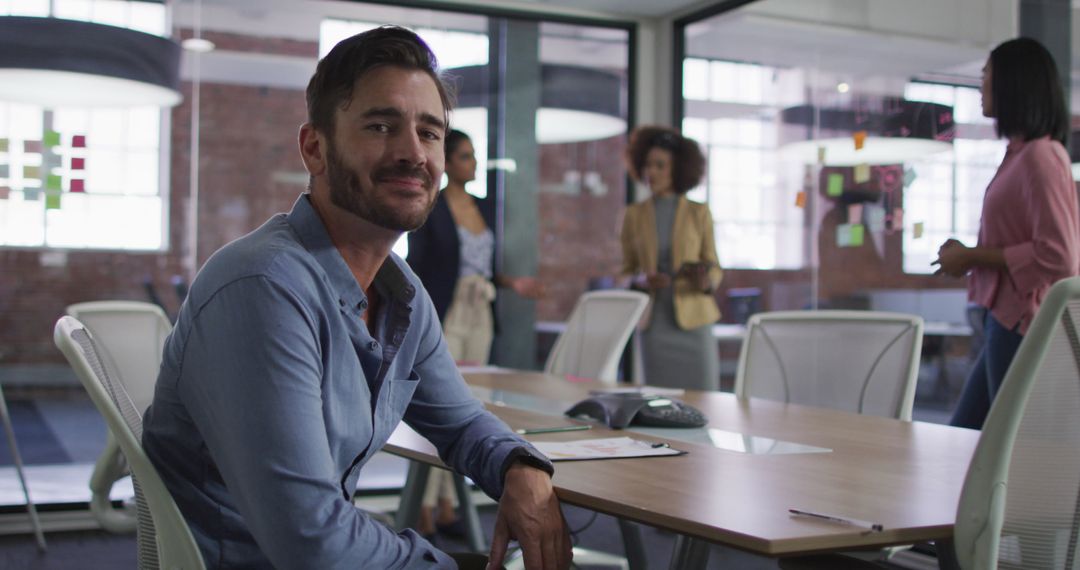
(363, 304)
(341, 302)
(373, 345)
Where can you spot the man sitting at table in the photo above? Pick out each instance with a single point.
(302, 345)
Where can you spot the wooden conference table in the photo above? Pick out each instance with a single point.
(905, 476)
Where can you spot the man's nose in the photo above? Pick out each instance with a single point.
(407, 147)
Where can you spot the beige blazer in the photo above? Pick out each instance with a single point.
(691, 241)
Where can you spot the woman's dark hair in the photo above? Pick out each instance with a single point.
(687, 161)
(454, 138)
(1025, 89)
(335, 77)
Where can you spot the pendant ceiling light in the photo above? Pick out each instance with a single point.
(900, 132)
(577, 104)
(55, 62)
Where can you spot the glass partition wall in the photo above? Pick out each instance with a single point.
(845, 144)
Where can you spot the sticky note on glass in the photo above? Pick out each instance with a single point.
(52, 200)
(31, 172)
(78, 141)
(51, 139)
(854, 213)
(4, 145)
(5, 171)
(33, 147)
(860, 139)
(821, 155)
(31, 194)
(78, 185)
(4, 192)
(857, 233)
(862, 173)
(836, 184)
(843, 235)
(918, 230)
(78, 163)
(53, 182)
(800, 199)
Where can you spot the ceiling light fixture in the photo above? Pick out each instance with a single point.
(55, 62)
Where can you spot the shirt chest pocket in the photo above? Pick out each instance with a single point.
(401, 393)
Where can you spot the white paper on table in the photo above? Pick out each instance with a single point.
(643, 390)
(603, 448)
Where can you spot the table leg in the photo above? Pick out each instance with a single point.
(689, 554)
(467, 511)
(632, 545)
(38, 534)
(411, 495)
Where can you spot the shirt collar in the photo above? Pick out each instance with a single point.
(390, 280)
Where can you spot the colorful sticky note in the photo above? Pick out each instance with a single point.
(821, 154)
(31, 172)
(78, 185)
(4, 192)
(836, 184)
(53, 182)
(854, 213)
(51, 160)
(78, 141)
(51, 139)
(3, 145)
(857, 235)
(52, 200)
(918, 230)
(800, 199)
(78, 163)
(5, 171)
(33, 147)
(862, 173)
(860, 139)
(31, 194)
(843, 235)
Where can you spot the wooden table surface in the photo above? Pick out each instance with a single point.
(904, 475)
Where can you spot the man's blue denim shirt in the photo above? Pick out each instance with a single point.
(273, 394)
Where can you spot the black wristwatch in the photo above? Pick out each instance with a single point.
(530, 457)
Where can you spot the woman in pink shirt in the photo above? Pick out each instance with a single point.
(1029, 236)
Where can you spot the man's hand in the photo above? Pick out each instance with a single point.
(529, 513)
(954, 259)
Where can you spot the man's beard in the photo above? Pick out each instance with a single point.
(347, 194)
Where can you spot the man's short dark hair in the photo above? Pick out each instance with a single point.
(1026, 94)
(332, 85)
(687, 161)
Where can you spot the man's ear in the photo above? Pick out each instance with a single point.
(313, 148)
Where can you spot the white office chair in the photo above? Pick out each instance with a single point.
(133, 333)
(596, 334)
(859, 361)
(164, 538)
(1020, 504)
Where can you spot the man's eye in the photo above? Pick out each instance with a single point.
(431, 135)
(379, 128)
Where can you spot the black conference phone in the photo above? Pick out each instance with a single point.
(620, 410)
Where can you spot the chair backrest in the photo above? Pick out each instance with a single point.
(858, 361)
(134, 335)
(1020, 505)
(596, 334)
(164, 538)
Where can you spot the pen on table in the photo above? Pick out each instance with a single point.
(874, 527)
(577, 427)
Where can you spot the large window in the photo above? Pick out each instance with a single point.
(945, 196)
(78, 177)
(732, 111)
